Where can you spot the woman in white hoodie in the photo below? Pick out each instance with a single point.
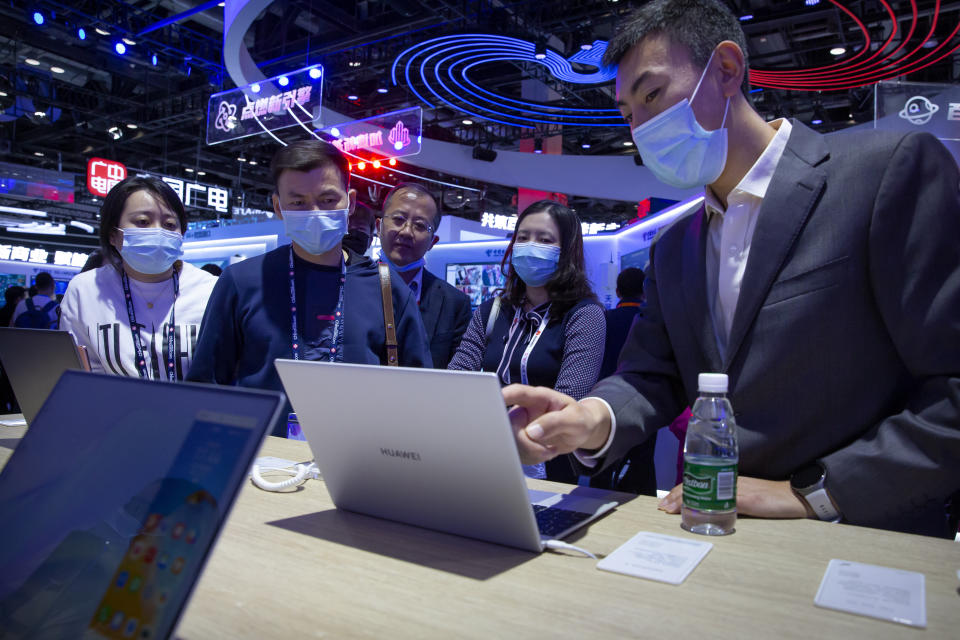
(139, 314)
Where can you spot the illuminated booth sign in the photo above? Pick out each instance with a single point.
(509, 223)
(103, 175)
(36, 183)
(39, 255)
(914, 106)
(288, 100)
(389, 135)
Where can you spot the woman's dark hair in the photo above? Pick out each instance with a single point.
(699, 25)
(113, 205)
(13, 294)
(568, 285)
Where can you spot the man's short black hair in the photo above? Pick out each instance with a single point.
(44, 281)
(420, 190)
(630, 283)
(307, 155)
(699, 25)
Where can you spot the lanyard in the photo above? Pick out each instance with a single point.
(544, 320)
(141, 361)
(336, 352)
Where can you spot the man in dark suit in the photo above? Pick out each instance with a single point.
(839, 335)
(630, 292)
(407, 231)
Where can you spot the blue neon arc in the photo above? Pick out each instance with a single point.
(446, 54)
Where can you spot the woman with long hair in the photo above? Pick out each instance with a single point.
(139, 313)
(547, 328)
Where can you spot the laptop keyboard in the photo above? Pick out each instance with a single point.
(552, 521)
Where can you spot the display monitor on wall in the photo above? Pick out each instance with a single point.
(12, 280)
(479, 280)
(61, 285)
(638, 258)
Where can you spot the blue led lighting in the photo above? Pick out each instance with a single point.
(38, 18)
(283, 81)
(120, 48)
(442, 66)
(153, 59)
(82, 33)
(746, 17)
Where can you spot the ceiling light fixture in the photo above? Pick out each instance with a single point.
(130, 42)
(353, 97)
(82, 33)
(39, 154)
(58, 69)
(130, 125)
(40, 114)
(101, 31)
(627, 143)
(540, 49)
(188, 170)
(33, 62)
(838, 51)
(467, 121)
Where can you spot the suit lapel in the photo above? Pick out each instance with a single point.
(431, 302)
(790, 198)
(694, 269)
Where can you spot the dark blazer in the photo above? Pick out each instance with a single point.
(845, 343)
(446, 313)
(619, 321)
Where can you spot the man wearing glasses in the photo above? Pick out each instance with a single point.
(407, 231)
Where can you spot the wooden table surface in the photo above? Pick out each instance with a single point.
(289, 565)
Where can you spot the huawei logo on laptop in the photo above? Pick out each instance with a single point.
(395, 453)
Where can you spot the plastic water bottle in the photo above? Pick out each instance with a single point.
(710, 457)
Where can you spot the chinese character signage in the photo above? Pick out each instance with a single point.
(200, 196)
(103, 175)
(389, 135)
(288, 100)
(509, 223)
(39, 255)
(914, 106)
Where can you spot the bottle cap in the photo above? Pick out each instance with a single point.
(712, 382)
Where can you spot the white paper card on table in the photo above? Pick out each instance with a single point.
(877, 592)
(656, 557)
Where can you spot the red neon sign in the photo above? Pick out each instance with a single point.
(103, 175)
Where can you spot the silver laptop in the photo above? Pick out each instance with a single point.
(33, 360)
(426, 447)
(114, 498)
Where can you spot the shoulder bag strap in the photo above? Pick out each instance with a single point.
(492, 319)
(389, 325)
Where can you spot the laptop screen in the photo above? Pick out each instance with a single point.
(113, 499)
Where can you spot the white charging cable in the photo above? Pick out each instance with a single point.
(560, 544)
(301, 473)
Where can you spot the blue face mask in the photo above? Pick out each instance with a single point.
(678, 150)
(316, 231)
(151, 251)
(416, 264)
(535, 263)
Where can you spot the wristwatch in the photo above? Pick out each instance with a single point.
(809, 482)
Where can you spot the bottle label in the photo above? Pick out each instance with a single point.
(708, 487)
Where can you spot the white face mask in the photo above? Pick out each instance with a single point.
(316, 231)
(679, 151)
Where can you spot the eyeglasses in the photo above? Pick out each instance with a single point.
(398, 222)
